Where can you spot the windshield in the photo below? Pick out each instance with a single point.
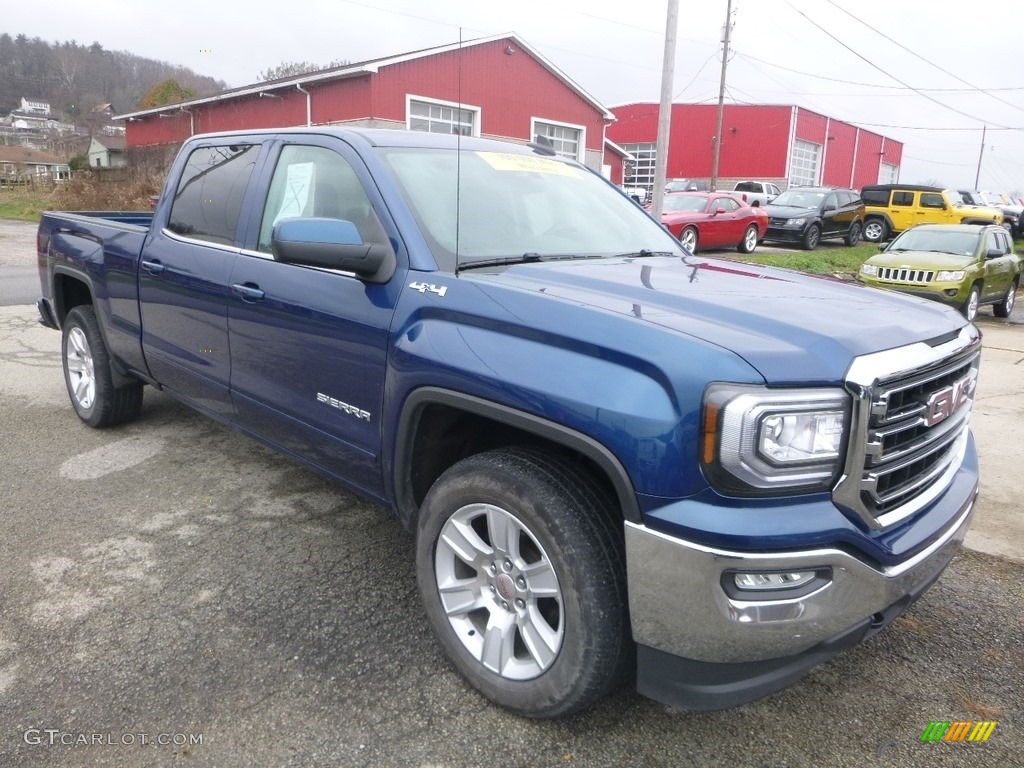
(799, 198)
(992, 199)
(513, 205)
(681, 185)
(940, 240)
(678, 202)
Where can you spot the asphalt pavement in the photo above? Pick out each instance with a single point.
(173, 593)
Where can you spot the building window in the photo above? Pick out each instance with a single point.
(803, 168)
(888, 173)
(640, 172)
(567, 140)
(434, 116)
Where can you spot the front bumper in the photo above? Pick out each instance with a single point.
(784, 235)
(951, 294)
(700, 648)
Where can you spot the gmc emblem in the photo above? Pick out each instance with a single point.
(948, 400)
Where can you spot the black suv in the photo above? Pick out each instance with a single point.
(806, 215)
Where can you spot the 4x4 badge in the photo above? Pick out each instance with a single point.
(424, 287)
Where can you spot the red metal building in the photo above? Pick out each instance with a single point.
(786, 144)
(497, 87)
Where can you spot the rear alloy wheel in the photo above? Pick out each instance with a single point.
(95, 398)
(812, 237)
(749, 241)
(1005, 307)
(970, 308)
(520, 565)
(688, 239)
(853, 236)
(875, 230)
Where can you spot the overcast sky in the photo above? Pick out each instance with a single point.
(784, 51)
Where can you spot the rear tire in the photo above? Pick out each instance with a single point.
(87, 374)
(1005, 307)
(520, 565)
(749, 241)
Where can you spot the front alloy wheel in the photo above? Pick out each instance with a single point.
(520, 565)
(970, 309)
(499, 591)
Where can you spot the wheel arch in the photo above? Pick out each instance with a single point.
(438, 427)
(70, 289)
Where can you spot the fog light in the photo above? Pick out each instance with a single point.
(759, 582)
(952, 291)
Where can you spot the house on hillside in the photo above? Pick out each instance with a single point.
(785, 144)
(497, 87)
(107, 152)
(24, 165)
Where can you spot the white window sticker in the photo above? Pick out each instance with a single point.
(296, 191)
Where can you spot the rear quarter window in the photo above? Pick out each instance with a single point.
(209, 196)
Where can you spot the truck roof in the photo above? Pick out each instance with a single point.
(385, 137)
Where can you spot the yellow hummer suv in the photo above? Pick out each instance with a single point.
(892, 208)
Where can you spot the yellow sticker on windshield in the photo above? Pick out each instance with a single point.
(507, 161)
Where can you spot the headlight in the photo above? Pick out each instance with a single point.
(759, 441)
(950, 277)
(868, 269)
(795, 222)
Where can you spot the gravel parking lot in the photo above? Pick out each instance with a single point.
(173, 581)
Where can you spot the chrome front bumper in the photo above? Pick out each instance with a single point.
(679, 606)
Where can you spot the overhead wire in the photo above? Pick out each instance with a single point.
(884, 71)
(922, 58)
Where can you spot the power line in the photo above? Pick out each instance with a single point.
(869, 85)
(694, 78)
(922, 58)
(868, 61)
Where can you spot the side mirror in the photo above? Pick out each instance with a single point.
(994, 253)
(331, 244)
(719, 211)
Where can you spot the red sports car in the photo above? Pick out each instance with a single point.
(713, 220)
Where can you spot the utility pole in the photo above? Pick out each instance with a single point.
(665, 110)
(721, 97)
(977, 176)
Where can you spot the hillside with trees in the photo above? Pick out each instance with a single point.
(74, 78)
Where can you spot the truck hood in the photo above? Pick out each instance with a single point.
(792, 328)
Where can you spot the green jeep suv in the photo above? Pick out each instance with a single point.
(963, 266)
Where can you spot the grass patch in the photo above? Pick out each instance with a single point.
(823, 261)
(24, 203)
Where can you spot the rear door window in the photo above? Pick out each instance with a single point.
(903, 198)
(209, 196)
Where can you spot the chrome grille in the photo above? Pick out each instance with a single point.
(910, 426)
(896, 275)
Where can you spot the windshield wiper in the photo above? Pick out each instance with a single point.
(500, 261)
(644, 253)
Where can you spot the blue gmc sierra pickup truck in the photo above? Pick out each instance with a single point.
(619, 460)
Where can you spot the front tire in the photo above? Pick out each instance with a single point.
(520, 565)
(853, 235)
(1005, 307)
(812, 237)
(875, 230)
(688, 239)
(749, 241)
(87, 374)
(970, 307)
